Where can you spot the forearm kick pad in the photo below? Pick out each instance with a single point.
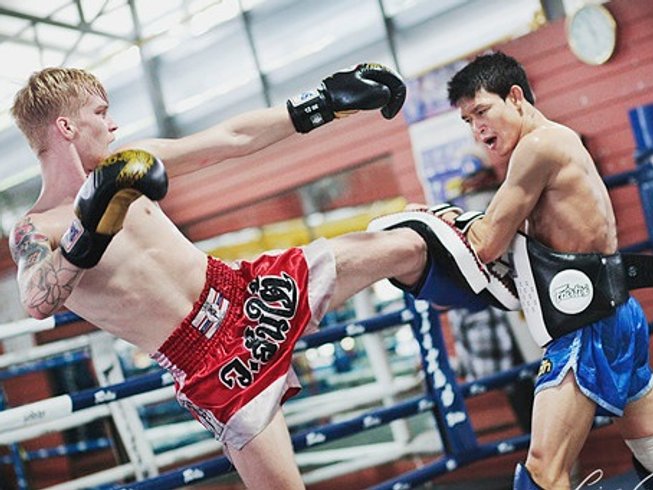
(561, 292)
(454, 276)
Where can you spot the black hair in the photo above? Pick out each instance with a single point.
(495, 73)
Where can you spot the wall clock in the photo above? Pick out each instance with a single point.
(592, 34)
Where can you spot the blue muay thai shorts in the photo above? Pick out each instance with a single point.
(609, 359)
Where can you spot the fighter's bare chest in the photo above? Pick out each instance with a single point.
(143, 218)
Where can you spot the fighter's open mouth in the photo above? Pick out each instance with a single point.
(490, 142)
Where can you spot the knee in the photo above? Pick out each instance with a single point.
(538, 471)
(408, 241)
(408, 250)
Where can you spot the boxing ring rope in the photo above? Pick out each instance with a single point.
(31, 363)
(42, 351)
(102, 411)
(62, 450)
(63, 405)
(642, 176)
(51, 363)
(169, 458)
(32, 325)
(444, 397)
(78, 418)
(305, 410)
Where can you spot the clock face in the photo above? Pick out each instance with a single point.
(592, 34)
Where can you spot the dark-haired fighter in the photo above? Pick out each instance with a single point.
(551, 190)
(553, 214)
(225, 332)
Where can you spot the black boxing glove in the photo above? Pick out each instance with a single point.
(102, 202)
(364, 87)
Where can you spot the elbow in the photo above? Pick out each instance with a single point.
(487, 245)
(37, 314)
(37, 311)
(482, 246)
(243, 144)
(487, 254)
(484, 255)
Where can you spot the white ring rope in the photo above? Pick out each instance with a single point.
(168, 458)
(73, 420)
(45, 350)
(27, 325)
(76, 419)
(63, 405)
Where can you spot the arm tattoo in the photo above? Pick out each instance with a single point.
(46, 280)
(27, 245)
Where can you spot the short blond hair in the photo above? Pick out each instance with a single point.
(48, 94)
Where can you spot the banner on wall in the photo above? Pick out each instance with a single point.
(440, 145)
(443, 146)
(426, 95)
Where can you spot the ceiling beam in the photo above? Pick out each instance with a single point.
(83, 27)
(166, 123)
(247, 26)
(27, 42)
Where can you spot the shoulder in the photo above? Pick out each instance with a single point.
(41, 224)
(25, 226)
(159, 147)
(545, 150)
(549, 142)
(24, 236)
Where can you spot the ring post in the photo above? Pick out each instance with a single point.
(123, 412)
(449, 408)
(641, 121)
(378, 357)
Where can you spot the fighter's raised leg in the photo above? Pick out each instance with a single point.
(365, 258)
(455, 277)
